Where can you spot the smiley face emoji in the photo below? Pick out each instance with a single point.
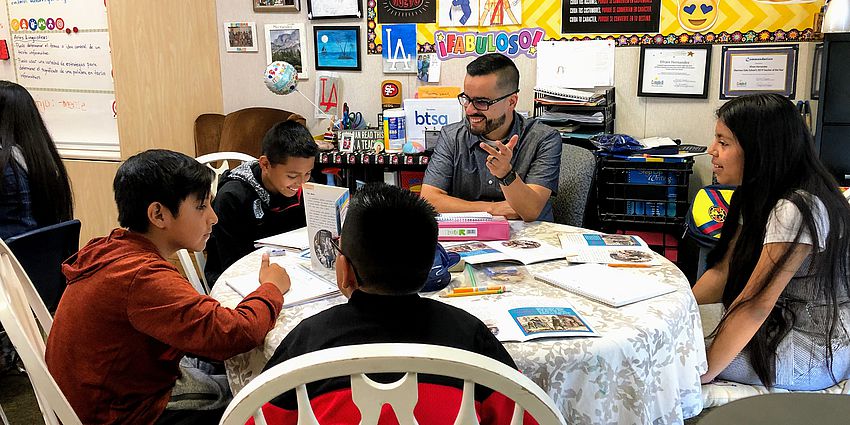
(697, 15)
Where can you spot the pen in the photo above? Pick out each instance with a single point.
(472, 293)
(631, 266)
(478, 289)
(471, 272)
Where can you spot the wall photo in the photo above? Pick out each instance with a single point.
(287, 43)
(337, 48)
(277, 5)
(240, 36)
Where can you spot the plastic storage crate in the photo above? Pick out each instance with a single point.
(643, 190)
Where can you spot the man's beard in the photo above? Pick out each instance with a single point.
(490, 124)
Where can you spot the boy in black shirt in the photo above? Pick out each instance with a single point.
(261, 198)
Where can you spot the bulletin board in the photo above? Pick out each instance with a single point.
(678, 21)
(61, 54)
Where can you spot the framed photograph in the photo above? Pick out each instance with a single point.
(287, 43)
(277, 5)
(337, 48)
(240, 36)
(817, 64)
(758, 69)
(321, 9)
(674, 71)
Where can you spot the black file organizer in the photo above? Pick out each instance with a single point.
(645, 198)
(607, 107)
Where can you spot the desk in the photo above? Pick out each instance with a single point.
(644, 369)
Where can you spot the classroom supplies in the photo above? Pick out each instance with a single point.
(306, 285)
(523, 318)
(478, 289)
(605, 248)
(294, 240)
(613, 287)
(472, 227)
(473, 293)
(523, 250)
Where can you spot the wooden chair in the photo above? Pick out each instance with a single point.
(20, 306)
(238, 131)
(358, 360)
(194, 274)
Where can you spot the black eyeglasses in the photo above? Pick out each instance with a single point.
(479, 103)
(337, 248)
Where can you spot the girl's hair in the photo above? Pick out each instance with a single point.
(780, 163)
(21, 125)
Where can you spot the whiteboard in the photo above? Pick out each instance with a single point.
(62, 56)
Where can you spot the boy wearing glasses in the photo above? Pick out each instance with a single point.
(261, 198)
(381, 274)
(494, 160)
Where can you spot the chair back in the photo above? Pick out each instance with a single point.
(783, 408)
(225, 161)
(578, 166)
(41, 253)
(357, 360)
(18, 302)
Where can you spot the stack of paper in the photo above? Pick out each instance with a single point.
(614, 287)
(295, 240)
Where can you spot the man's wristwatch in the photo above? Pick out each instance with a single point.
(508, 178)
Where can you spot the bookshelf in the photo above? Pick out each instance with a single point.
(572, 130)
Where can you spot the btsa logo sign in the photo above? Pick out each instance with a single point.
(430, 119)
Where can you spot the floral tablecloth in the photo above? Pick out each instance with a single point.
(644, 369)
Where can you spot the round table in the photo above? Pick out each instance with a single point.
(645, 367)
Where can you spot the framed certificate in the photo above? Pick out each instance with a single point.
(320, 9)
(674, 71)
(760, 69)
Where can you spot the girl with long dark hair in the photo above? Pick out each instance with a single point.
(35, 190)
(781, 266)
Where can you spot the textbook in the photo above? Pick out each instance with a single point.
(525, 318)
(306, 285)
(611, 286)
(325, 208)
(294, 240)
(525, 251)
(472, 227)
(604, 248)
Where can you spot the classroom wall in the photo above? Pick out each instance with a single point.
(691, 120)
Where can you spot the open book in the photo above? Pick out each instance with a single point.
(526, 251)
(526, 318)
(614, 287)
(607, 249)
(306, 285)
(294, 240)
(325, 208)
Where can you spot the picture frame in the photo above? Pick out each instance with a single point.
(288, 43)
(817, 65)
(277, 5)
(680, 71)
(337, 48)
(758, 69)
(326, 9)
(240, 37)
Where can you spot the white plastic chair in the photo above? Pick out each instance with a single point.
(357, 360)
(18, 302)
(196, 276)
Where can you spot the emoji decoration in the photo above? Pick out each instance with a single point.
(697, 15)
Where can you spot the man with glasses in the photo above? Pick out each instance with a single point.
(494, 160)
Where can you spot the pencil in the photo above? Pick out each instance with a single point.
(471, 273)
(479, 289)
(473, 293)
(631, 266)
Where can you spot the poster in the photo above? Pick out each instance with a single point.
(399, 56)
(610, 16)
(407, 11)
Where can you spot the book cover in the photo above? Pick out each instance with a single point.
(325, 207)
(524, 250)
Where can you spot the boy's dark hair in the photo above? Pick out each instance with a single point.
(390, 236)
(157, 175)
(493, 63)
(288, 139)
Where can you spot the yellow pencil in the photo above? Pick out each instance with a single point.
(631, 266)
(469, 294)
(479, 289)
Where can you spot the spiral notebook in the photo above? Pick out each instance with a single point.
(610, 286)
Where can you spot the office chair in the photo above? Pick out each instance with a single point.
(578, 166)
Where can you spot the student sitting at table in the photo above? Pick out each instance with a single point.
(128, 317)
(781, 266)
(381, 275)
(261, 198)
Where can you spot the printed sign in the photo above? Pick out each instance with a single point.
(451, 44)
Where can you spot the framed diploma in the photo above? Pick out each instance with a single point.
(674, 71)
(320, 9)
(761, 69)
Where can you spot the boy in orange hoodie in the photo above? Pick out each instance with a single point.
(127, 316)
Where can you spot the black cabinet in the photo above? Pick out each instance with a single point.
(832, 134)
